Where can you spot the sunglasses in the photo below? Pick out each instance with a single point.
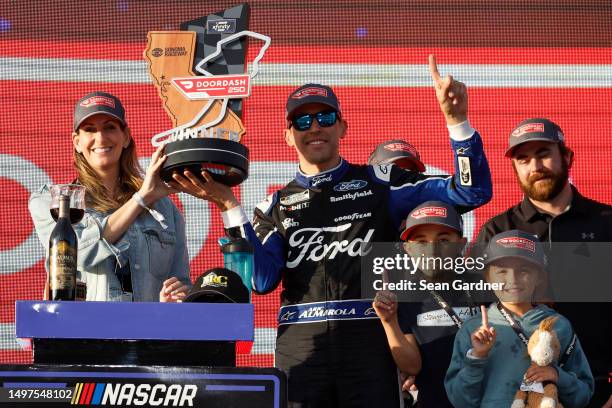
(303, 121)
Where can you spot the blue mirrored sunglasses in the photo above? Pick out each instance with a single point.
(325, 118)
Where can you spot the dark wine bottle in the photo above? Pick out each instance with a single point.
(63, 255)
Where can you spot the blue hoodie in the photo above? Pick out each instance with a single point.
(493, 381)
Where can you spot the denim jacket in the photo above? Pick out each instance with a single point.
(154, 254)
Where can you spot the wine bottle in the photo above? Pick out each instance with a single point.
(63, 255)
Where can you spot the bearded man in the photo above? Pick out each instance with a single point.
(555, 211)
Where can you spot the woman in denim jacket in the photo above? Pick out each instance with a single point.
(131, 241)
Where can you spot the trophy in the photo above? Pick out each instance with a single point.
(200, 76)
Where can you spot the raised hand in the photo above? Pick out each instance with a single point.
(153, 187)
(210, 190)
(385, 305)
(483, 338)
(451, 94)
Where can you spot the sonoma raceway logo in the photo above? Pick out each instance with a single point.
(309, 244)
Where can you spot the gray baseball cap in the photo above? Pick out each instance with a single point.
(392, 150)
(515, 244)
(534, 129)
(433, 212)
(98, 102)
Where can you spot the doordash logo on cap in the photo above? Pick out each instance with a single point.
(98, 100)
(429, 212)
(517, 242)
(310, 92)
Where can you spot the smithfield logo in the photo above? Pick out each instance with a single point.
(157, 52)
(227, 26)
(109, 394)
(350, 185)
(517, 242)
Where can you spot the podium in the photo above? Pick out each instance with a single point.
(138, 333)
(143, 354)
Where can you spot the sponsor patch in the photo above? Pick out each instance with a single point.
(528, 128)
(517, 242)
(295, 198)
(441, 318)
(214, 280)
(313, 91)
(401, 147)
(352, 217)
(351, 196)
(465, 171)
(350, 185)
(428, 212)
(316, 180)
(290, 222)
(294, 207)
(98, 100)
(462, 150)
(226, 26)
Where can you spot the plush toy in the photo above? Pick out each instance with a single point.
(544, 349)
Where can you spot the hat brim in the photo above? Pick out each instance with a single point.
(100, 112)
(419, 164)
(491, 260)
(312, 99)
(408, 230)
(196, 294)
(510, 150)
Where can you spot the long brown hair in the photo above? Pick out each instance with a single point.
(130, 179)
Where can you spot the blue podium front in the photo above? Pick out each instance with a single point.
(137, 354)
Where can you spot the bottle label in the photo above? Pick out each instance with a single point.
(62, 267)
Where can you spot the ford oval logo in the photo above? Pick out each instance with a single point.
(350, 185)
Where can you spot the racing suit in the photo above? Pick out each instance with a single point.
(308, 234)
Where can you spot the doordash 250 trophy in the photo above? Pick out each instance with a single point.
(200, 75)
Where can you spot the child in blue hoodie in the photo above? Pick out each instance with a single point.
(490, 360)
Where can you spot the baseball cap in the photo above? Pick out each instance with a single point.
(392, 150)
(98, 102)
(534, 129)
(312, 93)
(515, 243)
(218, 285)
(433, 212)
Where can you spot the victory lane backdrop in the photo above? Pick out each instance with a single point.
(518, 61)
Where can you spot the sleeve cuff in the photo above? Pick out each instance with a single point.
(471, 356)
(462, 131)
(234, 217)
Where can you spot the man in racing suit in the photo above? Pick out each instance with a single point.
(308, 234)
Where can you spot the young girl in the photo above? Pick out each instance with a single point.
(490, 359)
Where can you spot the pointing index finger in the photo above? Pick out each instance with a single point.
(485, 318)
(433, 69)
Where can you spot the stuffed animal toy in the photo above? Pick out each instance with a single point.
(543, 349)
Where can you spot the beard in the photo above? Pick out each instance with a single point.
(551, 184)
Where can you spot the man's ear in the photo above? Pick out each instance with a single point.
(569, 157)
(289, 138)
(343, 127)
